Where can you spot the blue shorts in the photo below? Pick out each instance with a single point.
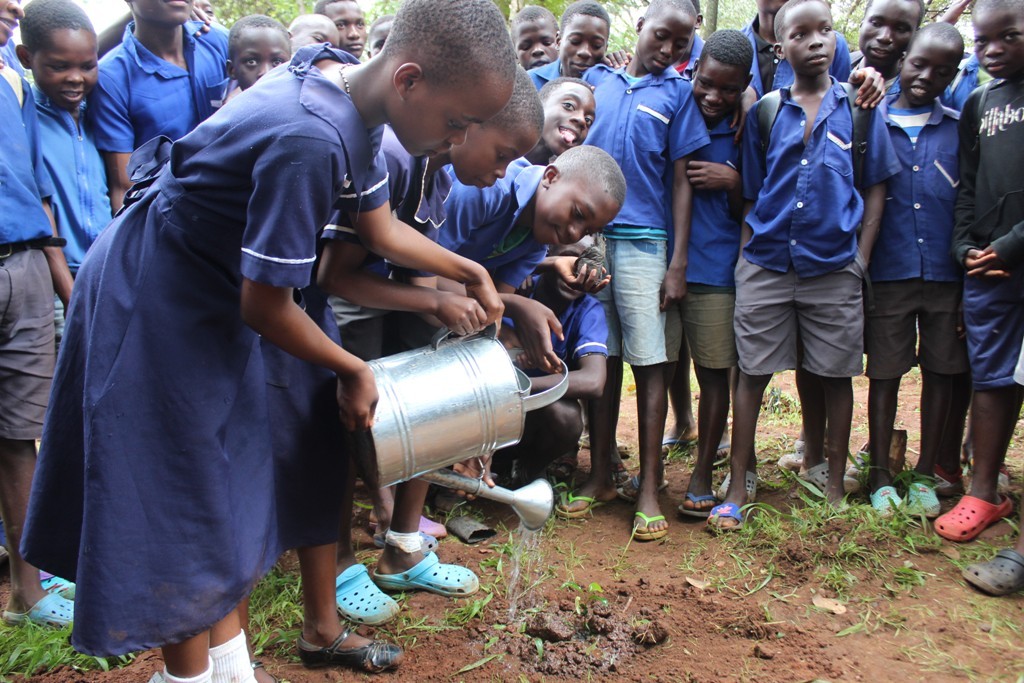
(994, 317)
(632, 302)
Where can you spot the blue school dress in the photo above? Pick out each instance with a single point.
(154, 487)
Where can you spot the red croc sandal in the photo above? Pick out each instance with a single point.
(970, 517)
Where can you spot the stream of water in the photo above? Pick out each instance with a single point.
(525, 573)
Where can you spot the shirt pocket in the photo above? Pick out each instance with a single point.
(215, 94)
(838, 151)
(943, 177)
(650, 129)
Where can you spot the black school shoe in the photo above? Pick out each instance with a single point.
(375, 657)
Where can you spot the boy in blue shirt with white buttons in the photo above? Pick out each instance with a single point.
(916, 283)
(647, 120)
(164, 78)
(802, 266)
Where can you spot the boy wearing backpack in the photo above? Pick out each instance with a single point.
(802, 265)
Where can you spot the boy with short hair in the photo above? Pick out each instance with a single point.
(312, 29)
(582, 42)
(350, 21)
(916, 286)
(59, 46)
(378, 35)
(802, 266)
(164, 78)
(989, 241)
(885, 33)
(535, 36)
(256, 44)
(27, 336)
(648, 121)
(719, 78)
(568, 115)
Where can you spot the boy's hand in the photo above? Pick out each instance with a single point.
(357, 398)
(985, 263)
(535, 324)
(486, 295)
(460, 314)
(475, 468)
(585, 278)
(708, 175)
(872, 87)
(673, 288)
(199, 14)
(739, 118)
(617, 59)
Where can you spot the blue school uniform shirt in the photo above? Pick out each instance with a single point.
(806, 209)
(24, 182)
(416, 200)
(714, 232)
(917, 225)
(784, 76)
(140, 96)
(481, 224)
(9, 55)
(963, 85)
(695, 51)
(542, 74)
(646, 125)
(80, 203)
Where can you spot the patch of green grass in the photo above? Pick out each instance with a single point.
(275, 613)
(29, 649)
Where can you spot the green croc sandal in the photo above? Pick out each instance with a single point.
(885, 501)
(922, 500)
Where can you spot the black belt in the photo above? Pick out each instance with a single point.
(41, 243)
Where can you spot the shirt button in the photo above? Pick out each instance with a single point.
(916, 167)
(799, 205)
(920, 241)
(803, 162)
(629, 92)
(917, 206)
(803, 123)
(793, 242)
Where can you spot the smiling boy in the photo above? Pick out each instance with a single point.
(569, 108)
(582, 42)
(885, 33)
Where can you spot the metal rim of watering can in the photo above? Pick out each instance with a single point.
(444, 334)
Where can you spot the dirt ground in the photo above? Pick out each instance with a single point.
(771, 606)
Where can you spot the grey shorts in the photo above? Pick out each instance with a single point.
(914, 321)
(826, 311)
(361, 328)
(27, 351)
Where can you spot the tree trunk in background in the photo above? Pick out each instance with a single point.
(710, 17)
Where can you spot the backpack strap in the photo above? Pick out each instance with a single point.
(861, 121)
(767, 110)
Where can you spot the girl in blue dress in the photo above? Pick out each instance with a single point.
(157, 442)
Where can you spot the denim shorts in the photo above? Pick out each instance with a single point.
(632, 302)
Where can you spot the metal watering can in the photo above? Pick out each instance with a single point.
(456, 399)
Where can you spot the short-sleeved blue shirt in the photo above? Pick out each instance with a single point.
(714, 232)
(279, 189)
(806, 208)
(79, 202)
(481, 224)
(24, 181)
(417, 200)
(645, 125)
(542, 74)
(140, 96)
(917, 225)
(584, 328)
(784, 76)
(963, 85)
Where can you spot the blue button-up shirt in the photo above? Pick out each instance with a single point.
(80, 203)
(714, 232)
(963, 85)
(140, 96)
(784, 75)
(917, 226)
(481, 224)
(542, 74)
(645, 125)
(806, 209)
(24, 181)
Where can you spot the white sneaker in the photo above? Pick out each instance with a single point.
(795, 460)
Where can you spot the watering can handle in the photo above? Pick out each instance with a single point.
(548, 396)
(442, 335)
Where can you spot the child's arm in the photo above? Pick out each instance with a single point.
(874, 204)
(405, 247)
(118, 183)
(58, 264)
(272, 313)
(535, 323)
(585, 383)
(341, 274)
(673, 289)
(589, 280)
(710, 176)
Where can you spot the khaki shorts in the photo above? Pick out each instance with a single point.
(914, 322)
(827, 312)
(707, 320)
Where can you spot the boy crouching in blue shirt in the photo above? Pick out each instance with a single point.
(916, 285)
(802, 267)
(647, 120)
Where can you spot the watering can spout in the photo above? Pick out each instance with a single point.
(534, 502)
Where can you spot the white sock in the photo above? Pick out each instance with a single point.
(409, 543)
(231, 662)
(205, 677)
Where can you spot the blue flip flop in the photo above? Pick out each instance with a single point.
(725, 511)
(696, 500)
(359, 600)
(59, 586)
(51, 610)
(429, 574)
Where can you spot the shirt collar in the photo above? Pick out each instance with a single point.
(47, 104)
(648, 79)
(723, 127)
(149, 62)
(525, 186)
(829, 102)
(934, 118)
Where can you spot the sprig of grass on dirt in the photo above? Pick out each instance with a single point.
(30, 649)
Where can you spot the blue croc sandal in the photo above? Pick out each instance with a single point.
(449, 580)
(59, 586)
(725, 511)
(359, 600)
(51, 610)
